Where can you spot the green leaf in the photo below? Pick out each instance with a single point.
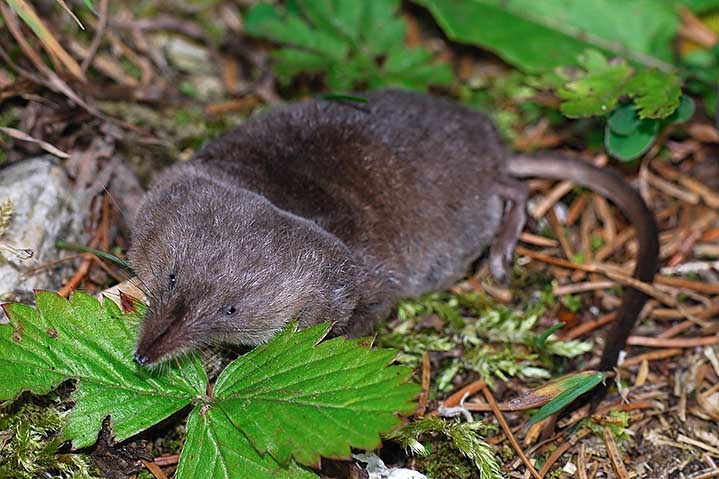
(92, 343)
(296, 399)
(216, 448)
(358, 44)
(597, 89)
(380, 27)
(90, 6)
(655, 93)
(684, 112)
(627, 148)
(537, 36)
(624, 120)
(291, 61)
(567, 390)
(411, 69)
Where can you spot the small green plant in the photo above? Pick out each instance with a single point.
(30, 447)
(617, 422)
(466, 437)
(495, 341)
(357, 44)
(655, 100)
(281, 406)
(572, 302)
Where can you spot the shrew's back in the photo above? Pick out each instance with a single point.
(405, 180)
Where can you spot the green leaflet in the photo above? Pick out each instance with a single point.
(216, 448)
(92, 343)
(597, 90)
(292, 382)
(655, 93)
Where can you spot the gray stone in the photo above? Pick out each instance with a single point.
(44, 210)
(187, 56)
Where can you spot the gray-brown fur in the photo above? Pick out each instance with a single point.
(321, 210)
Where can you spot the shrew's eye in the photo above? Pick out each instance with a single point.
(173, 280)
(230, 310)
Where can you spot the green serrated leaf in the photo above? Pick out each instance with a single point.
(280, 392)
(380, 28)
(92, 343)
(216, 448)
(624, 120)
(656, 94)
(570, 389)
(627, 148)
(597, 89)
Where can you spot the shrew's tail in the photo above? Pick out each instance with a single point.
(614, 188)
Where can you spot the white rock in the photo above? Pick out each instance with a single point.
(44, 210)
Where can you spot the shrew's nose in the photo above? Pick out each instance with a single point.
(141, 360)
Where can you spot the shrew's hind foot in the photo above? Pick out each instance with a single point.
(514, 193)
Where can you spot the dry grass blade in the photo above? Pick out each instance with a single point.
(53, 47)
(69, 12)
(467, 391)
(424, 395)
(614, 456)
(608, 271)
(51, 79)
(653, 342)
(154, 469)
(561, 449)
(508, 431)
(651, 356)
(22, 136)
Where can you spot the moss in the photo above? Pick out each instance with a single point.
(490, 339)
(465, 440)
(445, 462)
(30, 444)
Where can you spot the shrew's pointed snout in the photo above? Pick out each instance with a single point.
(164, 333)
